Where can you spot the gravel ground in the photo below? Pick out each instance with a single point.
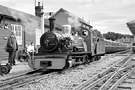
(69, 79)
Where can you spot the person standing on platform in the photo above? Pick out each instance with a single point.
(11, 48)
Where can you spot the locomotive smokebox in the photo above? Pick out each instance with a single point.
(51, 21)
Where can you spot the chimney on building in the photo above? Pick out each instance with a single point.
(40, 13)
(38, 8)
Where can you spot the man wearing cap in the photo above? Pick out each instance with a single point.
(11, 48)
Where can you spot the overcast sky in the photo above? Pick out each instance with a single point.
(105, 15)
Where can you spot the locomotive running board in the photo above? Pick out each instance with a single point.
(50, 56)
(80, 53)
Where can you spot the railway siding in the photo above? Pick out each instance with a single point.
(126, 82)
(72, 78)
(107, 82)
(68, 79)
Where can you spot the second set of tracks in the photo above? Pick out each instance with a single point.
(21, 80)
(111, 78)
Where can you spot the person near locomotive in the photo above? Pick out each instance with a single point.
(31, 49)
(23, 54)
(11, 48)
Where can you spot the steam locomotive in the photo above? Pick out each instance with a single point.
(68, 47)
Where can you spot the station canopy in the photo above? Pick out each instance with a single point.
(131, 26)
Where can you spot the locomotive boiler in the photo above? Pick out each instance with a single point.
(66, 48)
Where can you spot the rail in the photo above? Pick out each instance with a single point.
(15, 81)
(21, 80)
(100, 81)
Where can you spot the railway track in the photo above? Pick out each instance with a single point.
(125, 82)
(107, 79)
(16, 80)
(124, 53)
(20, 80)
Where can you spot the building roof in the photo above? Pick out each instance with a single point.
(16, 14)
(56, 25)
(71, 14)
(30, 22)
(26, 19)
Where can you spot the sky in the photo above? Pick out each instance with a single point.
(104, 15)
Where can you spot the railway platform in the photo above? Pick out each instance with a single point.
(18, 69)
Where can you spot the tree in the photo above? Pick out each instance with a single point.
(114, 36)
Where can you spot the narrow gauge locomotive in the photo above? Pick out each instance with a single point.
(66, 48)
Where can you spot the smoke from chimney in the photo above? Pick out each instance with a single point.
(74, 22)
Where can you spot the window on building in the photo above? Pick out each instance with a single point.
(17, 29)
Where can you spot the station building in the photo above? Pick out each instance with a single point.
(131, 26)
(22, 24)
(27, 27)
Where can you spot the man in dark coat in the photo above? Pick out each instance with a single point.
(11, 48)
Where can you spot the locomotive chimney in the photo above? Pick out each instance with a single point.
(51, 21)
